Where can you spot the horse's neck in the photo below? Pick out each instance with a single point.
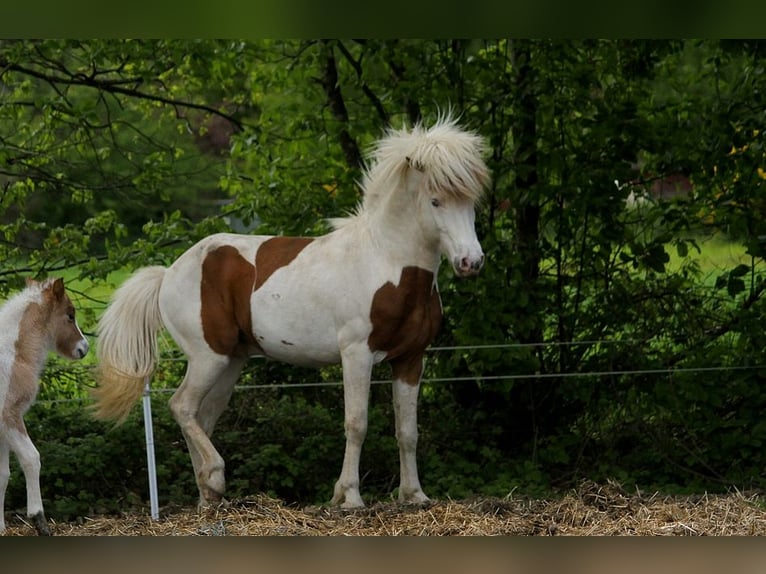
(394, 229)
(402, 243)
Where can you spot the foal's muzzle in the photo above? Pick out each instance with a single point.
(81, 349)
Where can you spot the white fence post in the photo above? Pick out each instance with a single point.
(152, 469)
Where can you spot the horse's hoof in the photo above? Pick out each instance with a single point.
(415, 499)
(212, 501)
(41, 525)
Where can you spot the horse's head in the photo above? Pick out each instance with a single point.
(431, 179)
(453, 221)
(446, 172)
(62, 325)
(458, 235)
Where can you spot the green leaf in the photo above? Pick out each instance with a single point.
(735, 286)
(740, 270)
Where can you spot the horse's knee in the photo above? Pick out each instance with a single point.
(356, 429)
(29, 460)
(407, 438)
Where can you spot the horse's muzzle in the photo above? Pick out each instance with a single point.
(81, 349)
(468, 266)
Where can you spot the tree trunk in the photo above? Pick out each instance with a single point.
(527, 211)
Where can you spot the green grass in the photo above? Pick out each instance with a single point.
(717, 255)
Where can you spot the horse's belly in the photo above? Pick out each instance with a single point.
(306, 339)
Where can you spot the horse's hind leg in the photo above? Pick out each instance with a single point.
(29, 458)
(216, 401)
(196, 406)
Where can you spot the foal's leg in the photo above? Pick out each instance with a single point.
(406, 386)
(357, 369)
(29, 458)
(5, 474)
(196, 405)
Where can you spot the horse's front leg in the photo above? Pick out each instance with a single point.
(357, 370)
(29, 459)
(406, 387)
(5, 475)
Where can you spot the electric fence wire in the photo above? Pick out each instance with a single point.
(72, 369)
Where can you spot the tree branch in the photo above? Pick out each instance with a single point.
(412, 106)
(329, 81)
(357, 65)
(114, 87)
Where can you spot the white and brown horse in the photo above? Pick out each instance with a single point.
(364, 293)
(39, 319)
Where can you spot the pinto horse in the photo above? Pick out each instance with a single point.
(363, 293)
(39, 319)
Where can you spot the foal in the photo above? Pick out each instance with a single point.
(39, 319)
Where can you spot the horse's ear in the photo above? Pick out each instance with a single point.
(414, 164)
(55, 287)
(58, 287)
(29, 281)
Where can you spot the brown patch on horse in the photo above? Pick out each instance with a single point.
(227, 283)
(28, 348)
(405, 320)
(275, 253)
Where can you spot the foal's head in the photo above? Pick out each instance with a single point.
(59, 317)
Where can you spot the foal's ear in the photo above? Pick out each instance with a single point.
(29, 281)
(55, 287)
(58, 288)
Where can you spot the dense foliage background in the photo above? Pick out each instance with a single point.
(610, 346)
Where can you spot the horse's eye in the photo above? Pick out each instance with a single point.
(435, 202)
(70, 316)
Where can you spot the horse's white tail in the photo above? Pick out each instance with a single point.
(127, 344)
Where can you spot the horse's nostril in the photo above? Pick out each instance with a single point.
(468, 265)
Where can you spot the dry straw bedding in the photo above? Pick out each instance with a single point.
(592, 509)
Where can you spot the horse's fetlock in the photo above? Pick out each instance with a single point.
(346, 495)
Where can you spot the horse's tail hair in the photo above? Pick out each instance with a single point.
(127, 344)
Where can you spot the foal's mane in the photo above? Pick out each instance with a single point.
(16, 302)
(449, 157)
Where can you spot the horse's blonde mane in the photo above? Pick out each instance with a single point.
(449, 157)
